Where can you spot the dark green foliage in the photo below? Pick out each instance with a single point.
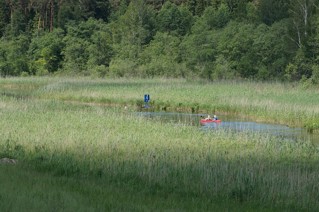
(173, 19)
(197, 7)
(237, 8)
(17, 25)
(118, 9)
(100, 50)
(4, 17)
(131, 32)
(136, 26)
(75, 55)
(252, 13)
(217, 18)
(5, 69)
(299, 68)
(235, 43)
(45, 52)
(271, 46)
(199, 50)
(273, 10)
(87, 47)
(161, 57)
(101, 9)
(211, 39)
(13, 56)
(315, 75)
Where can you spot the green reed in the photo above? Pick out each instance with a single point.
(282, 103)
(266, 102)
(112, 144)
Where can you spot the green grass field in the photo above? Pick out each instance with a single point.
(93, 157)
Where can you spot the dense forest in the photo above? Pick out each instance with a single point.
(210, 39)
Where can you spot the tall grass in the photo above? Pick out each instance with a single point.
(23, 189)
(269, 102)
(119, 148)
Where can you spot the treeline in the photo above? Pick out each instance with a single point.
(211, 39)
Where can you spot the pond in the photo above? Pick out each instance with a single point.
(236, 124)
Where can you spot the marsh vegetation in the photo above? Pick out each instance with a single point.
(75, 151)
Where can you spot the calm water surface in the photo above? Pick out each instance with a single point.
(233, 123)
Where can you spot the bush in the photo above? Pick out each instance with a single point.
(121, 68)
(99, 71)
(315, 74)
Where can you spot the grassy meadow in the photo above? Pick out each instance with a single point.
(91, 157)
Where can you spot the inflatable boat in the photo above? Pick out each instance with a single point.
(207, 121)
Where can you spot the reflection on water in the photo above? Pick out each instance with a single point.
(232, 123)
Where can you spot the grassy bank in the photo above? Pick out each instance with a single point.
(267, 102)
(76, 146)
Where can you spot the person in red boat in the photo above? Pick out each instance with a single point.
(208, 118)
(215, 118)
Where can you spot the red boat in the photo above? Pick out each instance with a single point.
(207, 121)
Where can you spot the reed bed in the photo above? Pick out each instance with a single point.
(117, 147)
(280, 103)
